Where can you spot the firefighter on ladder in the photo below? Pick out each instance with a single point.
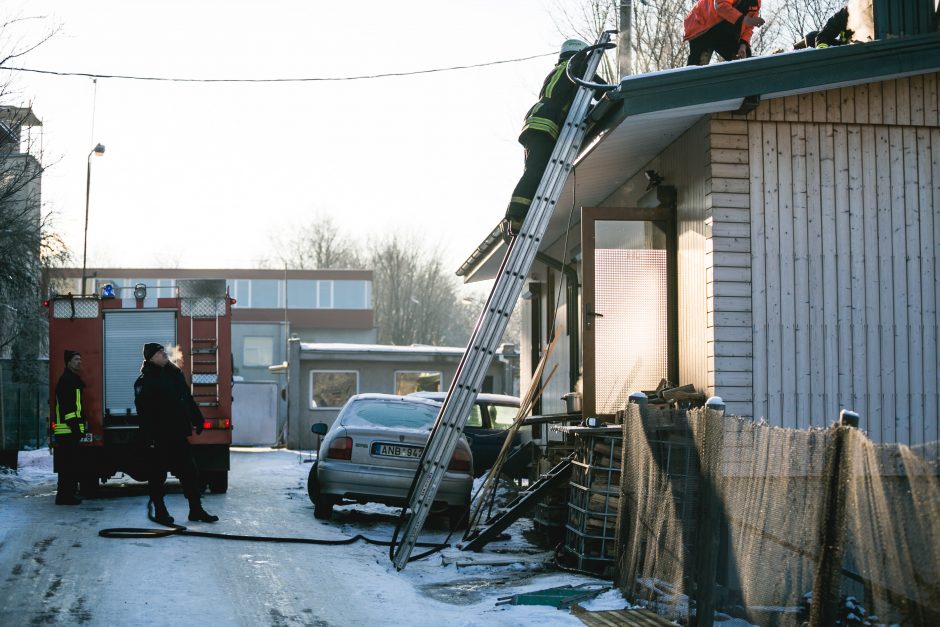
(68, 429)
(540, 131)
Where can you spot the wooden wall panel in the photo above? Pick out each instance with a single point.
(909, 101)
(844, 232)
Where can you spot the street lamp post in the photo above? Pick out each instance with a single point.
(97, 150)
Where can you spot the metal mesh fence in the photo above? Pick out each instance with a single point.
(25, 415)
(723, 514)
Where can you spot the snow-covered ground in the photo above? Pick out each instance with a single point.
(55, 569)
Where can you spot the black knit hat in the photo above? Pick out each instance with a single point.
(151, 349)
(69, 354)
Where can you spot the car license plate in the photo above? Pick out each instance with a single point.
(384, 449)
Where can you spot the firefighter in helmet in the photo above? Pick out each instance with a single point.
(168, 414)
(540, 131)
(68, 429)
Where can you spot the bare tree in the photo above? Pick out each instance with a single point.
(415, 296)
(658, 27)
(27, 241)
(317, 245)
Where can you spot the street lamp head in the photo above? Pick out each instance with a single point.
(99, 149)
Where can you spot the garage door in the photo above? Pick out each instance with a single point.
(125, 334)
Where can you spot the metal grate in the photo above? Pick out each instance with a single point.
(75, 308)
(202, 307)
(205, 379)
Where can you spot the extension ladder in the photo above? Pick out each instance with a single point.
(492, 322)
(525, 501)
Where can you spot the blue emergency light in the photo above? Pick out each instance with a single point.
(107, 291)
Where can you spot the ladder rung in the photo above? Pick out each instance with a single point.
(205, 351)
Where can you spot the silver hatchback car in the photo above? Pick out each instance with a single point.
(370, 455)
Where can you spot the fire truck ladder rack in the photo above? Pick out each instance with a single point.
(492, 321)
(204, 356)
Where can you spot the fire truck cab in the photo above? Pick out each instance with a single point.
(109, 329)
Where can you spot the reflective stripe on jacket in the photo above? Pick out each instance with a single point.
(60, 420)
(68, 404)
(708, 13)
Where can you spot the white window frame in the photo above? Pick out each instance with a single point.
(310, 402)
(439, 373)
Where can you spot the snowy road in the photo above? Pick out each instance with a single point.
(55, 569)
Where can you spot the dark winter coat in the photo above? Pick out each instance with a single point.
(555, 98)
(165, 406)
(68, 405)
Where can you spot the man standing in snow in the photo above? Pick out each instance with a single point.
(68, 429)
(168, 414)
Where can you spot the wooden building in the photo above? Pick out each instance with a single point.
(785, 261)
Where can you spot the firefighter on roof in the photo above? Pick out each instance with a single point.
(540, 131)
(68, 429)
(722, 26)
(167, 415)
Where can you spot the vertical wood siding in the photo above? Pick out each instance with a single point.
(843, 225)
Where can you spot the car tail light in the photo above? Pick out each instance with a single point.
(460, 461)
(207, 424)
(340, 448)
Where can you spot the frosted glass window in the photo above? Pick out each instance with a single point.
(631, 291)
(258, 351)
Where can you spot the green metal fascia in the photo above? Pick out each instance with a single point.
(802, 70)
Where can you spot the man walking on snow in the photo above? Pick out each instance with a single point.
(168, 414)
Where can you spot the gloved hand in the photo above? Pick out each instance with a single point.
(198, 426)
(75, 425)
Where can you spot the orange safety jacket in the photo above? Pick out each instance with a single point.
(708, 13)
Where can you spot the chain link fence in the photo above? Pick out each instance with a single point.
(720, 514)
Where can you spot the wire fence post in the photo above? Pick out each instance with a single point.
(708, 541)
(831, 536)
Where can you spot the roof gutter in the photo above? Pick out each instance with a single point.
(771, 76)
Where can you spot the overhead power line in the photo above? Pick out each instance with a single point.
(168, 79)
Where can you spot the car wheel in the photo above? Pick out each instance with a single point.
(323, 506)
(312, 487)
(457, 515)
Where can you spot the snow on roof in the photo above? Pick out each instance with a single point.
(414, 349)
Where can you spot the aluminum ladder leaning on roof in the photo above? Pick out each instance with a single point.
(492, 321)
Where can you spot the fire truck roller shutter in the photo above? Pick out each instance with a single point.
(125, 333)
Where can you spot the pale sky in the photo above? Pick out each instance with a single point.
(199, 175)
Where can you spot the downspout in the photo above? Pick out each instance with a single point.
(573, 328)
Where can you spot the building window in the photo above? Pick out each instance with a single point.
(258, 351)
(332, 388)
(349, 295)
(407, 382)
(301, 294)
(265, 293)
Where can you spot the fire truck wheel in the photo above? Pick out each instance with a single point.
(218, 482)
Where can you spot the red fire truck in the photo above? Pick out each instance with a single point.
(109, 330)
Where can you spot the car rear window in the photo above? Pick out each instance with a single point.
(502, 416)
(390, 414)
